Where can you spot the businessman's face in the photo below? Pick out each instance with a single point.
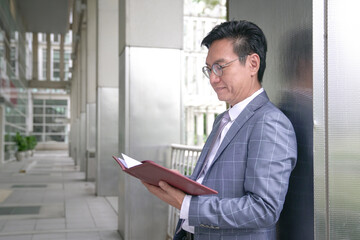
(238, 81)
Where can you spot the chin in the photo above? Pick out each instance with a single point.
(221, 97)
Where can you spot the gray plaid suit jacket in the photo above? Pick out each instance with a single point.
(250, 171)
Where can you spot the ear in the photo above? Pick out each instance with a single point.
(254, 63)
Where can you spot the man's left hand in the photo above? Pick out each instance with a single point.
(167, 193)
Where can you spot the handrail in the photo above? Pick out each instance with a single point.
(186, 147)
(183, 159)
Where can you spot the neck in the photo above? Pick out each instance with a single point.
(250, 93)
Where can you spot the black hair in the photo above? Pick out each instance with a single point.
(247, 38)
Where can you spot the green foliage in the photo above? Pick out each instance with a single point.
(209, 3)
(31, 142)
(24, 142)
(20, 142)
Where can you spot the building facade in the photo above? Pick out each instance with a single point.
(27, 57)
(200, 102)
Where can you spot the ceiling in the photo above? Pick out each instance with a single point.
(46, 16)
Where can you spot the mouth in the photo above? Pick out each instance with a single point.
(218, 89)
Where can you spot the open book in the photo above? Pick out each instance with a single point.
(152, 173)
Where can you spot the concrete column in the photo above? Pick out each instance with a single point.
(210, 117)
(82, 94)
(190, 128)
(29, 116)
(78, 108)
(2, 133)
(72, 113)
(199, 128)
(91, 35)
(35, 57)
(75, 109)
(107, 97)
(149, 105)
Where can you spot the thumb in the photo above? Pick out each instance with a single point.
(164, 186)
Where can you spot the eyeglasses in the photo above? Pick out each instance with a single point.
(217, 69)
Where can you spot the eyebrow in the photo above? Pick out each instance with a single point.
(217, 61)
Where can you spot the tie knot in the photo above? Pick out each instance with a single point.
(224, 120)
(226, 117)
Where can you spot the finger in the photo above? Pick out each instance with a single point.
(167, 188)
(153, 189)
(174, 192)
(163, 185)
(150, 186)
(145, 183)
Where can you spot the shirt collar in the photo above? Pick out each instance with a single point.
(235, 110)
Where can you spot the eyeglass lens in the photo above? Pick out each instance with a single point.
(216, 68)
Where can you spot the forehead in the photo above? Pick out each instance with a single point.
(220, 50)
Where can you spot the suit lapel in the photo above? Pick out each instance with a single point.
(243, 117)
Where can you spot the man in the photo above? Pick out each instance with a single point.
(250, 162)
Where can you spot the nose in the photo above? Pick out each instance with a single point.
(213, 78)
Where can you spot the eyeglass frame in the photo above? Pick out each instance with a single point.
(207, 70)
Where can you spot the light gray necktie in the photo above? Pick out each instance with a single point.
(224, 120)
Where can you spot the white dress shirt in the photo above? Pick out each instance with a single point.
(234, 112)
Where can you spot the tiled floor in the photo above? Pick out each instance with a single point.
(47, 197)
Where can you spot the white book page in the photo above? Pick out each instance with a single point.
(130, 162)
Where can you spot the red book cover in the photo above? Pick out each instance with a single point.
(152, 173)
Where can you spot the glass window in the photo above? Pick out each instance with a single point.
(55, 129)
(56, 37)
(42, 37)
(68, 37)
(38, 137)
(38, 101)
(13, 60)
(15, 119)
(13, 67)
(50, 119)
(67, 65)
(38, 129)
(56, 64)
(56, 110)
(38, 119)
(56, 138)
(38, 110)
(56, 75)
(61, 102)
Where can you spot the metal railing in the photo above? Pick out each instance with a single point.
(183, 159)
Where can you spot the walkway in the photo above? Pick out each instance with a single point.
(46, 197)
